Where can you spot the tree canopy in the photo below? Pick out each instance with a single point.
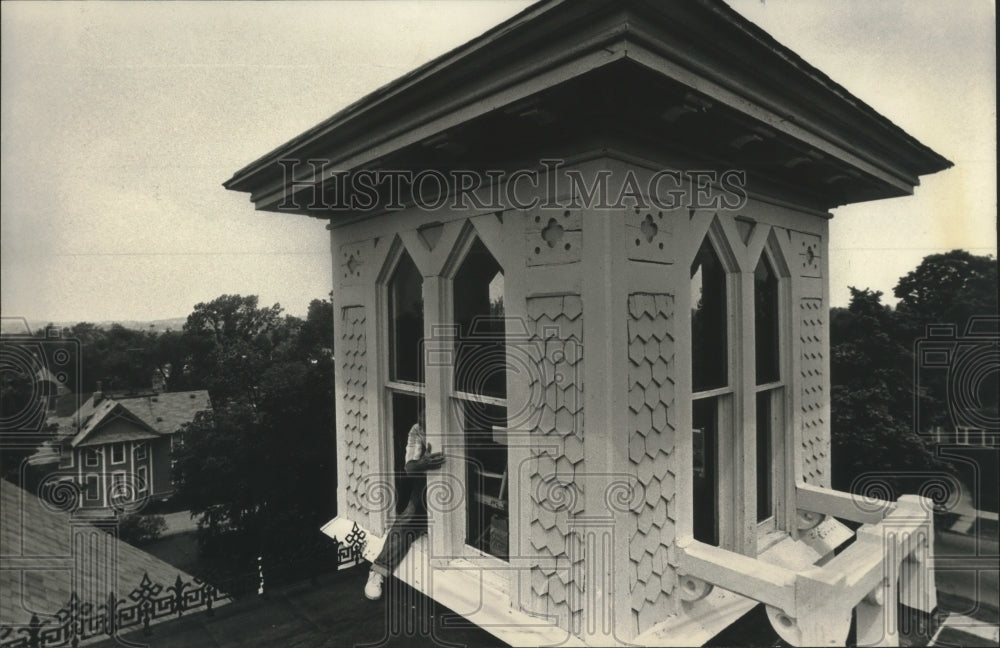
(885, 400)
(263, 464)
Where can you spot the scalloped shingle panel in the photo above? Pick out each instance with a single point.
(556, 346)
(650, 527)
(353, 353)
(815, 438)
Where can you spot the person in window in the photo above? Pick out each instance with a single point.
(412, 522)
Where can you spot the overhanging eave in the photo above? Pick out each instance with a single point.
(699, 45)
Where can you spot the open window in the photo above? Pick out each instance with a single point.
(406, 322)
(405, 386)
(480, 397)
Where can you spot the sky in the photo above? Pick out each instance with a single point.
(121, 120)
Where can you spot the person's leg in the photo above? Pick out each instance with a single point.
(404, 530)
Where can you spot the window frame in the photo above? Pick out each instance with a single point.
(92, 457)
(142, 480)
(120, 477)
(727, 441)
(119, 446)
(455, 410)
(736, 451)
(67, 456)
(96, 481)
(780, 417)
(387, 353)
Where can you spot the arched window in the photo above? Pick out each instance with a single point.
(737, 390)
(479, 395)
(767, 357)
(712, 391)
(406, 322)
(405, 386)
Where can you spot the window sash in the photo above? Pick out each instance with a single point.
(479, 398)
(92, 488)
(405, 387)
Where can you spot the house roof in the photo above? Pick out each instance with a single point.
(703, 45)
(152, 415)
(39, 563)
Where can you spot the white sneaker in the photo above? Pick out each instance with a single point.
(373, 589)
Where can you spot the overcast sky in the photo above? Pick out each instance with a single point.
(120, 121)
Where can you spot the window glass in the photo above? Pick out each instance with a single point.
(93, 488)
(481, 371)
(486, 474)
(765, 283)
(481, 353)
(406, 322)
(709, 353)
(705, 464)
(765, 481)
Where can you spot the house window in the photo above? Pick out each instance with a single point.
(480, 397)
(767, 313)
(712, 393)
(118, 453)
(91, 458)
(93, 488)
(65, 457)
(120, 491)
(729, 403)
(140, 450)
(142, 479)
(405, 387)
(406, 322)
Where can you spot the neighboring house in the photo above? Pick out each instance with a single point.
(119, 447)
(59, 567)
(633, 399)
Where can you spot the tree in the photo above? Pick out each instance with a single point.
(872, 424)
(231, 340)
(262, 467)
(950, 289)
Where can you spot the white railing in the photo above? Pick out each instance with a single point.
(888, 561)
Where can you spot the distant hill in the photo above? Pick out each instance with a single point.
(21, 326)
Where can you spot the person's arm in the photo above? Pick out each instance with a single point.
(419, 457)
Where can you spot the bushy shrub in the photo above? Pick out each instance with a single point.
(139, 530)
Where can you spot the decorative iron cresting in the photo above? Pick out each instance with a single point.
(79, 621)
